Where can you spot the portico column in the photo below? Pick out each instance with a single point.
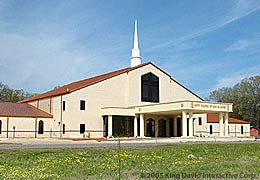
(167, 127)
(135, 126)
(226, 124)
(221, 128)
(110, 124)
(184, 124)
(191, 124)
(156, 127)
(175, 126)
(195, 122)
(141, 125)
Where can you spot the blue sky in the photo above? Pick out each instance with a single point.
(204, 45)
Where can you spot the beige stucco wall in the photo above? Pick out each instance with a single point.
(200, 130)
(107, 93)
(4, 126)
(33, 103)
(24, 127)
(234, 130)
(169, 90)
(44, 104)
(56, 112)
(120, 91)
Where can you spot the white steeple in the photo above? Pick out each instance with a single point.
(136, 57)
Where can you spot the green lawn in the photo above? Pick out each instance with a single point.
(173, 161)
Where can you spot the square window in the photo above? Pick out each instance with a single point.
(63, 105)
(200, 121)
(82, 105)
(82, 128)
(210, 129)
(63, 129)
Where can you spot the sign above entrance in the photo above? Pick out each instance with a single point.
(170, 108)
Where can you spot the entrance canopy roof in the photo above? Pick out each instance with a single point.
(169, 108)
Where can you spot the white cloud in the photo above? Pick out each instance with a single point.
(241, 9)
(231, 79)
(37, 56)
(243, 44)
(33, 61)
(239, 45)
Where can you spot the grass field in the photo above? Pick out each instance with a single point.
(171, 161)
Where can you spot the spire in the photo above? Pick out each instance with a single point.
(136, 36)
(136, 57)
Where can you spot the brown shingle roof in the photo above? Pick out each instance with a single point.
(90, 81)
(214, 118)
(8, 109)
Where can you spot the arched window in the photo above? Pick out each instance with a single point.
(150, 128)
(0, 126)
(150, 88)
(41, 127)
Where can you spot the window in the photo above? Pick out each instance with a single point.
(171, 127)
(63, 105)
(162, 128)
(0, 126)
(200, 121)
(210, 129)
(40, 128)
(63, 129)
(150, 128)
(82, 128)
(242, 130)
(82, 104)
(105, 126)
(150, 88)
(123, 126)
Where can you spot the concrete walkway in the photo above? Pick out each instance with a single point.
(27, 143)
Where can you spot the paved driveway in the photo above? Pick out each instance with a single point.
(30, 143)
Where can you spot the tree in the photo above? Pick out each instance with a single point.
(11, 95)
(245, 97)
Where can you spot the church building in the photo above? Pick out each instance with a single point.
(139, 101)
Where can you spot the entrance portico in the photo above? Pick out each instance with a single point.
(158, 120)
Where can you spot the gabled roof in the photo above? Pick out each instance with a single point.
(214, 118)
(93, 80)
(8, 109)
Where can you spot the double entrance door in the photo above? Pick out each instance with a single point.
(151, 130)
(161, 130)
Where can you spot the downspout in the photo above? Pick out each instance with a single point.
(61, 116)
(50, 105)
(235, 130)
(35, 132)
(7, 128)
